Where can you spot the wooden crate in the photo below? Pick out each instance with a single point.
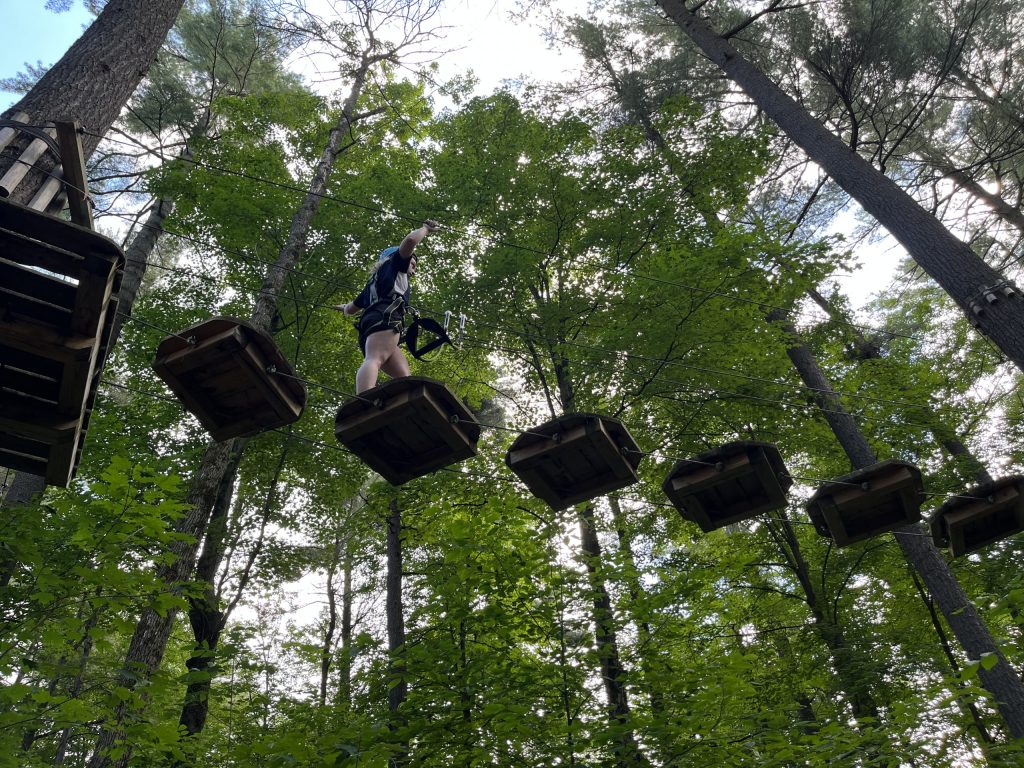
(407, 428)
(995, 512)
(575, 458)
(224, 377)
(58, 298)
(868, 502)
(732, 483)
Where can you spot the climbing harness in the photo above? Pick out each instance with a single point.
(428, 324)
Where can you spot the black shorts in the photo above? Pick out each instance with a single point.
(376, 320)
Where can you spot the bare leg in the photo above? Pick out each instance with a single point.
(397, 365)
(381, 347)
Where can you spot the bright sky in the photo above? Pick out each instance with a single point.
(33, 34)
(480, 39)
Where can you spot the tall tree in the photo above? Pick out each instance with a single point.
(990, 302)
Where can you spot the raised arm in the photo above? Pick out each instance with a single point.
(414, 238)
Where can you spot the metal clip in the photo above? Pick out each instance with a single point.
(978, 303)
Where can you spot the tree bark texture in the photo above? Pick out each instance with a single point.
(345, 649)
(613, 674)
(24, 490)
(295, 245)
(947, 260)
(136, 260)
(848, 664)
(204, 612)
(149, 641)
(95, 78)
(396, 630)
(970, 630)
(865, 349)
(645, 635)
(326, 649)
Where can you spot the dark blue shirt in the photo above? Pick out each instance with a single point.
(389, 281)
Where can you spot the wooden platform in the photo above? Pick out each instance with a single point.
(223, 377)
(407, 428)
(966, 524)
(58, 298)
(868, 502)
(575, 458)
(730, 484)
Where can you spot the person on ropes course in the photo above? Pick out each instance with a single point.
(383, 303)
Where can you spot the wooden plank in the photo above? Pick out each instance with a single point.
(61, 464)
(20, 308)
(64, 236)
(95, 287)
(77, 381)
(32, 253)
(22, 463)
(42, 341)
(411, 437)
(34, 365)
(23, 417)
(46, 286)
(73, 164)
(373, 419)
(47, 191)
(7, 134)
(275, 396)
(19, 381)
(17, 172)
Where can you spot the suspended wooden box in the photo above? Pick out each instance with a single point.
(58, 298)
(407, 428)
(732, 483)
(231, 376)
(868, 502)
(575, 458)
(966, 524)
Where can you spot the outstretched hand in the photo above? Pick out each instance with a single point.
(430, 224)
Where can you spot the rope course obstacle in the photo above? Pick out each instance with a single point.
(59, 282)
(223, 369)
(59, 286)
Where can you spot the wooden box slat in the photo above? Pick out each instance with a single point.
(732, 483)
(65, 243)
(403, 428)
(592, 455)
(225, 381)
(983, 515)
(868, 502)
(53, 336)
(95, 287)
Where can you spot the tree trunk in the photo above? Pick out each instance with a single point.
(345, 650)
(136, 258)
(24, 490)
(865, 349)
(396, 634)
(295, 245)
(645, 636)
(960, 613)
(846, 661)
(149, 641)
(327, 647)
(613, 676)
(971, 282)
(95, 78)
(204, 613)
